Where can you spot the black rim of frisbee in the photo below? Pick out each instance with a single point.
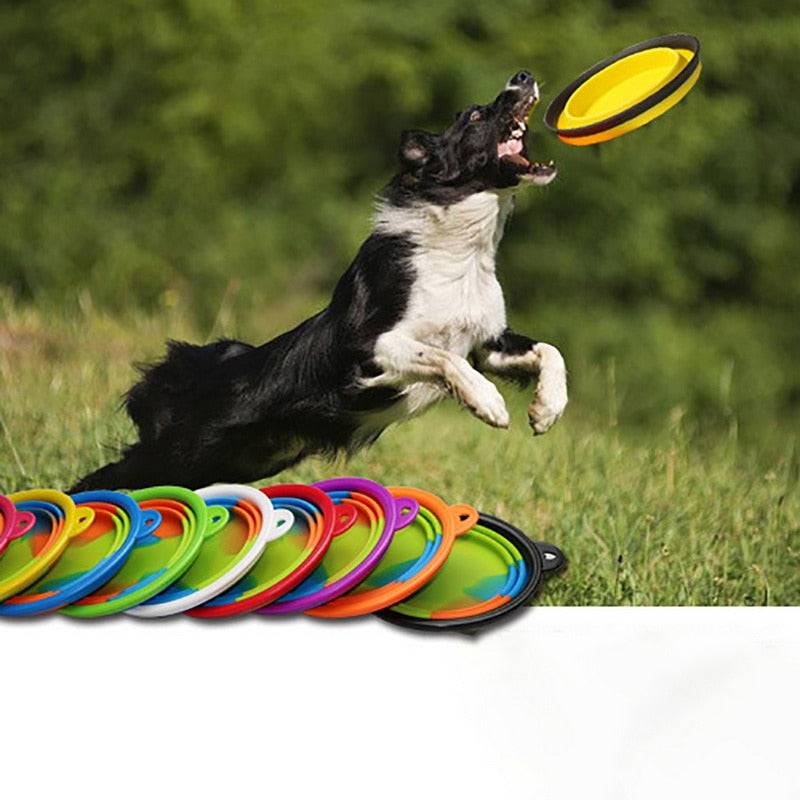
(682, 41)
(541, 559)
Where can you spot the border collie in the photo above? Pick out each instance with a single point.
(417, 316)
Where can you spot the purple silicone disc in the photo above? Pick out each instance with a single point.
(397, 513)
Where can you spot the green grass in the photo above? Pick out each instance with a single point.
(664, 514)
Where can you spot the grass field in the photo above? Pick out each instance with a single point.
(668, 514)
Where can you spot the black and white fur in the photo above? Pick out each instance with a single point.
(417, 316)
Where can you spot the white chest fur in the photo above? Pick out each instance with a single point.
(456, 301)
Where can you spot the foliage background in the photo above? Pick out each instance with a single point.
(195, 168)
(195, 151)
(209, 151)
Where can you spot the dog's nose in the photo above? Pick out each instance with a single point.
(522, 78)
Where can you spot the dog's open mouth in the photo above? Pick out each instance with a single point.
(513, 149)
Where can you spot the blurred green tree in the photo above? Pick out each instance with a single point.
(161, 148)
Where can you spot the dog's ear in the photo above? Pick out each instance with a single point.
(416, 148)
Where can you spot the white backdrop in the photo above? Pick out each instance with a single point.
(562, 703)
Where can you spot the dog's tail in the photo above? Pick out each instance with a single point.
(167, 387)
(135, 470)
(158, 405)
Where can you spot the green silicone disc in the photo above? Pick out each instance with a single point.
(158, 558)
(219, 553)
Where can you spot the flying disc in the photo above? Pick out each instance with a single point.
(29, 556)
(13, 522)
(159, 556)
(493, 569)
(91, 557)
(415, 555)
(626, 91)
(227, 553)
(355, 553)
(289, 559)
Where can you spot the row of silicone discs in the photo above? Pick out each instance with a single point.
(341, 548)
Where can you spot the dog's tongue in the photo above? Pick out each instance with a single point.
(510, 147)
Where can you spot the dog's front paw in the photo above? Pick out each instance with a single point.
(542, 416)
(483, 399)
(493, 411)
(550, 400)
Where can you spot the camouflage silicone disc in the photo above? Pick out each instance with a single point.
(28, 557)
(91, 557)
(354, 554)
(415, 554)
(159, 556)
(288, 560)
(492, 570)
(228, 552)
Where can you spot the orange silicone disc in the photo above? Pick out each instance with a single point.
(416, 554)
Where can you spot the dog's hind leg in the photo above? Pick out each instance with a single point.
(404, 361)
(135, 470)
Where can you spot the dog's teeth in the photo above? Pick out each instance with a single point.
(523, 126)
(516, 133)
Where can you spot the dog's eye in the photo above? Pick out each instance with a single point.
(475, 116)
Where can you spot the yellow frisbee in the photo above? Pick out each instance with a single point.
(626, 91)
